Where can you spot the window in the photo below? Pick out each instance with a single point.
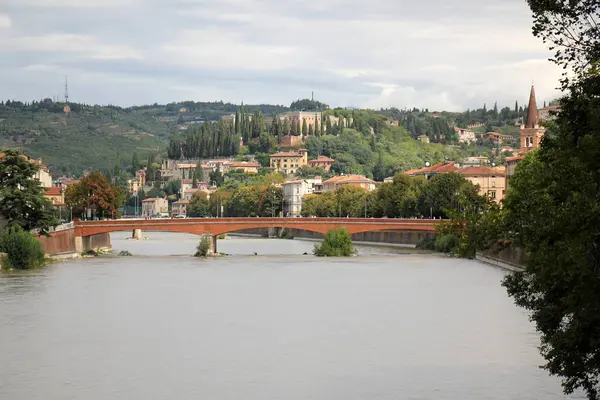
(494, 184)
(492, 194)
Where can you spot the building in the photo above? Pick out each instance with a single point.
(474, 161)
(322, 162)
(548, 113)
(248, 167)
(43, 174)
(465, 135)
(56, 195)
(354, 180)
(423, 138)
(188, 184)
(179, 208)
(531, 136)
(138, 182)
(491, 182)
(288, 162)
(433, 170)
(293, 193)
(298, 117)
(154, 207)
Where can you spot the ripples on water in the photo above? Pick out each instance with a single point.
(279, 325)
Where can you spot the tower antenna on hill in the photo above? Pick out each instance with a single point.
(67, 107)
(312, 96)
(66, 90)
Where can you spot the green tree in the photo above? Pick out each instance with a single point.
(94, 192)
(552, 208)
(317, 132)
(203, 247)
(216, 177)
(304, 127)
(22, 201)
(199, 205)
(135, 162)
(23, 250)
(199, 172)
(337, 243)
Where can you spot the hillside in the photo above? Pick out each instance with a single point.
(99, 137)
(94, 137)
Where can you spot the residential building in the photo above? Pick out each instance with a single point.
(424, 138)
(249, 167)
(179, 208)
(288, 162)
(188, 184)
(388, 179)
(531, 136)
(138, 182)
(465, 135)
(354, 180)
(56, 195)
(322, 162)
(293, 193)
(433, 170)
(155, 206)
(474, 161)
(491, 182)
(43, 174)
(548, 113)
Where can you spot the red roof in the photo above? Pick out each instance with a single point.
(182, 202)
(479, 171)
(516, 158)
(151, 199)
(434, 169)
(54, 191)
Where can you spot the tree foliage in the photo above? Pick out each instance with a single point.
(337, 243)
(553, 209)
(23, 250)
(22, 201)
(95, 192)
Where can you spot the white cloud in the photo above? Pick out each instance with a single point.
(59, 42)
(5, 21)
(75, 3)
(438, 54)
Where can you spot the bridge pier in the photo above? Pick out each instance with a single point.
(136, 234)
(213, 246)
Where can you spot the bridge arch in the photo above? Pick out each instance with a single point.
(218, 226)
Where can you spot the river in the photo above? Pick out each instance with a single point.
(279, 325)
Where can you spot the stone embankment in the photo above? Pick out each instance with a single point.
(62, 242)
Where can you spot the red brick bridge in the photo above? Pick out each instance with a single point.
(218, 226)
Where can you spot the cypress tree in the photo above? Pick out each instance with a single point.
(316, 125)
(304, 127)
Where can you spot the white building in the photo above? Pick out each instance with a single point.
(294, 192)
(155, 206)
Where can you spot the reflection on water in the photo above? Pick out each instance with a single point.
(279, 325)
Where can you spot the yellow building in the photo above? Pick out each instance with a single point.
(249, 167)
(491, 182)
(288, 162)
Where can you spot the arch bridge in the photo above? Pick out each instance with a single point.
(218, 226)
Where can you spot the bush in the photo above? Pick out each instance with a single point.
(337, 243)
(426, 244)
(203, 247)
(447, 243)
(23, 250)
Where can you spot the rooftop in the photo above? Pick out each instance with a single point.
(479, 171)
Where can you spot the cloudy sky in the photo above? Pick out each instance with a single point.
(439, 54)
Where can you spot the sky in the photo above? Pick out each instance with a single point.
(435, 54)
